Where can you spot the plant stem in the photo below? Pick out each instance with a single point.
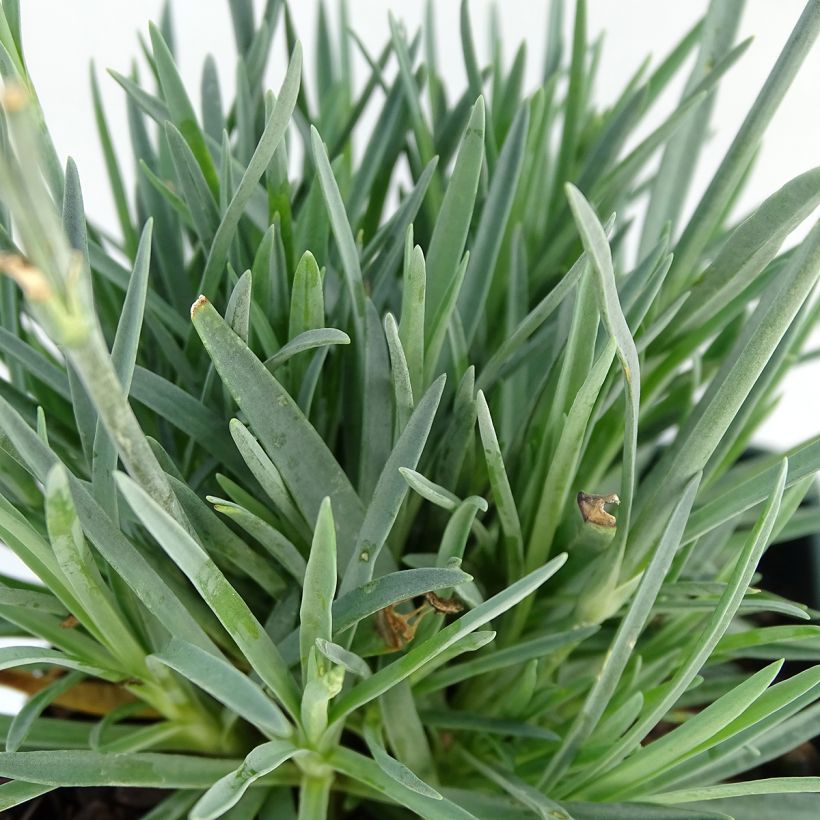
(93, 362)
(314, 795)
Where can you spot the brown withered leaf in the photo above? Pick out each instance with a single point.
(593, 509)
(446, 605)
(397, 629)
(88, 697)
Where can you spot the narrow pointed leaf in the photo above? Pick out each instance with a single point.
(450, 233)
(220, 596)
(290, 441)
(308, 340)
(315, 619)
(225, 683)
(390, 492)
(272, 136)
(490, 233)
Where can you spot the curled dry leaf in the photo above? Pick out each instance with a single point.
(31, 279)
(69, 622)
(88, 697)
(446, 605)
(593, 509)
(397, 629)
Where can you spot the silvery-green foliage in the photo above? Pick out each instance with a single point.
(390, 469)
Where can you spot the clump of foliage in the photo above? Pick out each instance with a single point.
(341, 539)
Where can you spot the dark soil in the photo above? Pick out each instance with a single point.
(89, 804)
(791, 570)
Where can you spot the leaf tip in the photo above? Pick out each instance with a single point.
(155, 34)
(477, 119)
(573, 194)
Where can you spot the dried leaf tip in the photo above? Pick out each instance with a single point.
(15, 97)
(200, 302)
(593, 509)
(32, 280)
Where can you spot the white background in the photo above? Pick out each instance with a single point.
(62, 37)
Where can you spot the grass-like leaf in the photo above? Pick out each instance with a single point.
(227, 684)
(517, 653)
(75, 560)
(595, 243)
(626, 637)
(84, 768)
(215, 590)
(274, 133)
(478, 277)
(391, 490)
(123, 357)
(692, 735)
(342, 233)
(315, 618)
(502, 492)
(366, 771)
(771, 785)
(740, 152)
(392, 767)
(179, 106)
(450, 234)
(227, 791)
(289, 440)
(712, 632)
(34, 706)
